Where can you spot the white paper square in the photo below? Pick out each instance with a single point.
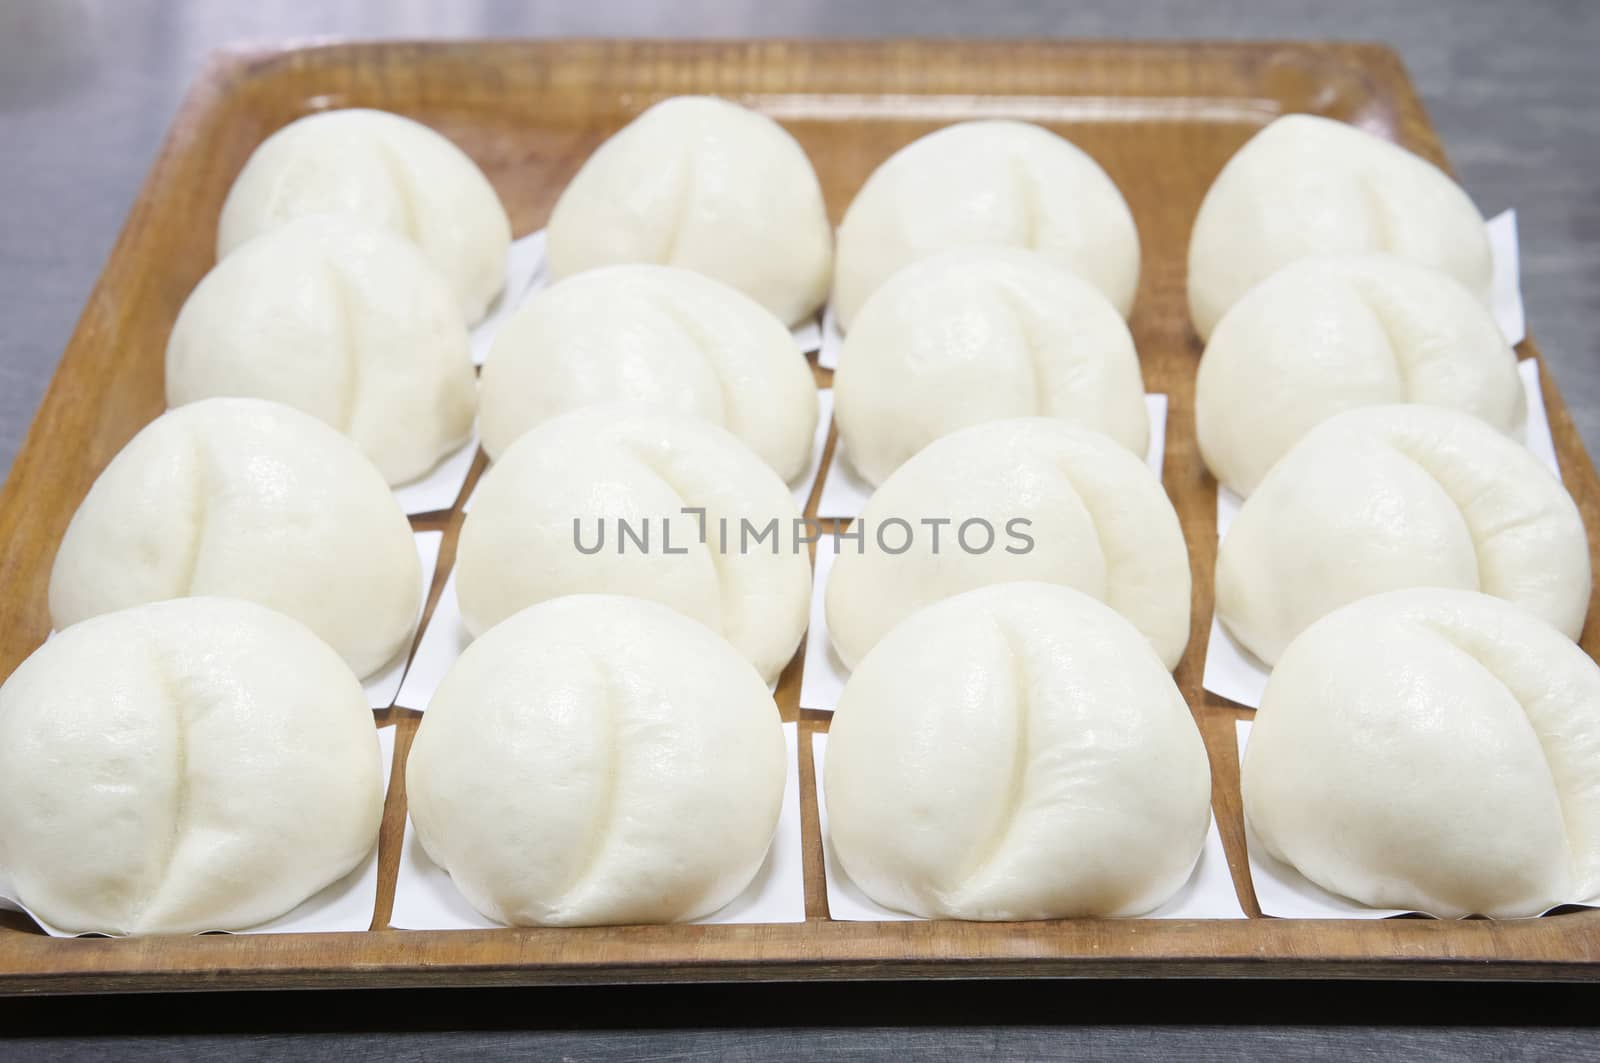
(1232, 671)
(441, 486)
(819, 443)
(823, 676)
(345, 905)
(845, 494)
(442, 642)
(808, 334)
(831, 340)
(1536, 430)
(525, 274)
(425, 898)
(1506, 288)
(1228, 503)
(1155, 454)
(1209, 893)
(382, 686)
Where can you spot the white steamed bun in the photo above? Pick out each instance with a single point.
(183, 766)
(594, 760)
(248, 499)
(1307, 185)
(707, 185)
(1065, 505)
(659, 335)
(1385, 497)
(1016, 752)
(343, 320)
(390, 170)
(573, 478)
(987, 183)
(982, 334)
(1328, 333)
(1432, 750)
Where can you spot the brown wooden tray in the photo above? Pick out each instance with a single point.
(1161, 118)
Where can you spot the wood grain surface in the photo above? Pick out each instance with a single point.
(1161, 119)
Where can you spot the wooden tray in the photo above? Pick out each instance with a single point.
(1161, 118)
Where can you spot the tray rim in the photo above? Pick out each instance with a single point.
(818, 948)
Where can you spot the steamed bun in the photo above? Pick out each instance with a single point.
(247, 499)
(1432, 750)
(982, 334)
(390, 170)
(343, 320)
(659, 335)
(707, 185)
(1306, 185)
(183, 766)
(545, 523)
(594, 760)
(1016, 752)
(1385, 497)
(985, 184)
(1050, 501)
(1325, 334)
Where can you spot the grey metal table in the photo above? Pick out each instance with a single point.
(87, 87)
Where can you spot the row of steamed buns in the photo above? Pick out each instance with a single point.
(326, 238)
(949, 341)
